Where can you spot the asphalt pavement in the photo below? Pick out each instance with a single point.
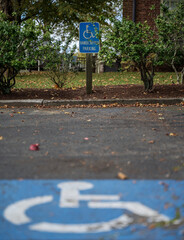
(92, 143)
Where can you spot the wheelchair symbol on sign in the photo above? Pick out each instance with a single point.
(70, 197)
(87, 34)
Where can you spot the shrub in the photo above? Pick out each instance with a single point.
(132, 42)
(18, 47)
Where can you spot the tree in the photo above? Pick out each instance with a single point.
(127, 40)
(66, 13)
(171, 39)
(18, 49)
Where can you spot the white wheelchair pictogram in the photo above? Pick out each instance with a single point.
(87, 34)
(70, 198)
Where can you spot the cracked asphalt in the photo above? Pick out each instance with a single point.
(92, 143)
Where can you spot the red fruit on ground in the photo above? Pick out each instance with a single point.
(34, 147)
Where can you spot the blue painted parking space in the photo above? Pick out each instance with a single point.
(91, 209)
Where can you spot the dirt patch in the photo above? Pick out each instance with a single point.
(100, 92)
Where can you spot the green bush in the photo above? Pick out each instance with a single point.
(18, 47)
(131, 42)
(171, 39)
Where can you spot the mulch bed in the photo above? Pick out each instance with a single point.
(99, 92)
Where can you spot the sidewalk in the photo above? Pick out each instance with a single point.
(42, 102)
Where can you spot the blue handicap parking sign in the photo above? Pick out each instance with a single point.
(91, 209)
(88, 37)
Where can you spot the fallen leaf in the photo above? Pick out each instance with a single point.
(152, 226)
(122, 176)
(165, 185)
(87, 152)
(83, 162)
(46, 154)
(172, 134)
(34, 147)
(152, 141)
(113, 153)
(1, 137)
(20, 179)
(177, 168)
(56, 86)
(167, 205)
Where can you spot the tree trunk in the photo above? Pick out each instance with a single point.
(147, 77)
(182, 76)
(6, 7)
(7, 79)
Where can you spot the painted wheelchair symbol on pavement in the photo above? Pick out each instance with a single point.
(70, 197)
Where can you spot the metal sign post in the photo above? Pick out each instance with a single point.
(88, 73)
(89, 43)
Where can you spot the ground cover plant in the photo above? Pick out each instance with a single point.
(41, 80)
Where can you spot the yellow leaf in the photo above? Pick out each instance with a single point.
(1, 137)
(122, 176)
(172, 134)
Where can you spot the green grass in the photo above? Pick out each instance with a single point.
(41, 80)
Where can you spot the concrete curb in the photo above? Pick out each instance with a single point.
(41, 102)
(168, 101)
(21, 103)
